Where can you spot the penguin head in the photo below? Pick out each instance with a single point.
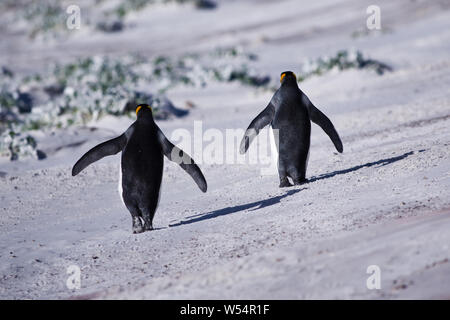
(287, 76)
(144, 110)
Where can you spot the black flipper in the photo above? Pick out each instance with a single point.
(261, 120)
(322, 120)
(107, 148)
(178, 156)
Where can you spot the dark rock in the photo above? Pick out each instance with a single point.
(260, 81)
(165, 109)
(54, 90)
(205, 4)
(110, 26)
(162, 107)
(41, 154)
(24, 102)
(7, 116)
(7, 72)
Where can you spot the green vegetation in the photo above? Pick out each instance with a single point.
(342, 60)
(88, 89)
(127, 6)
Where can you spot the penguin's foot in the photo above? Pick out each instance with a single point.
(285, 183)
(148, 223)
(137, 225)
(138, 229)
(301, 181)
(148, 227)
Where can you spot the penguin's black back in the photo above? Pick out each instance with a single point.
(294, 127)
(142, 165)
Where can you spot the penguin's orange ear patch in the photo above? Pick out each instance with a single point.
(139, 107)
(284, 75)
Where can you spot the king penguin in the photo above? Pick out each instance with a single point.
(290, 113)
(143, 147)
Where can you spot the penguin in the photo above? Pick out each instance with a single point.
(143, 147)
(290, 113)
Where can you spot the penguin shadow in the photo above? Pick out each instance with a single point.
(378, 163)
(229, 210)
(159, 228)
(271, 201)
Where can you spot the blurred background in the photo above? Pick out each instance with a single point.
(68, 63)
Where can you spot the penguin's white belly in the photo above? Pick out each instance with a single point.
(273, 155)
(119, 187)
(307, 160)
(273, 146)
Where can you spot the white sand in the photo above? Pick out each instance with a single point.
(384, 201)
